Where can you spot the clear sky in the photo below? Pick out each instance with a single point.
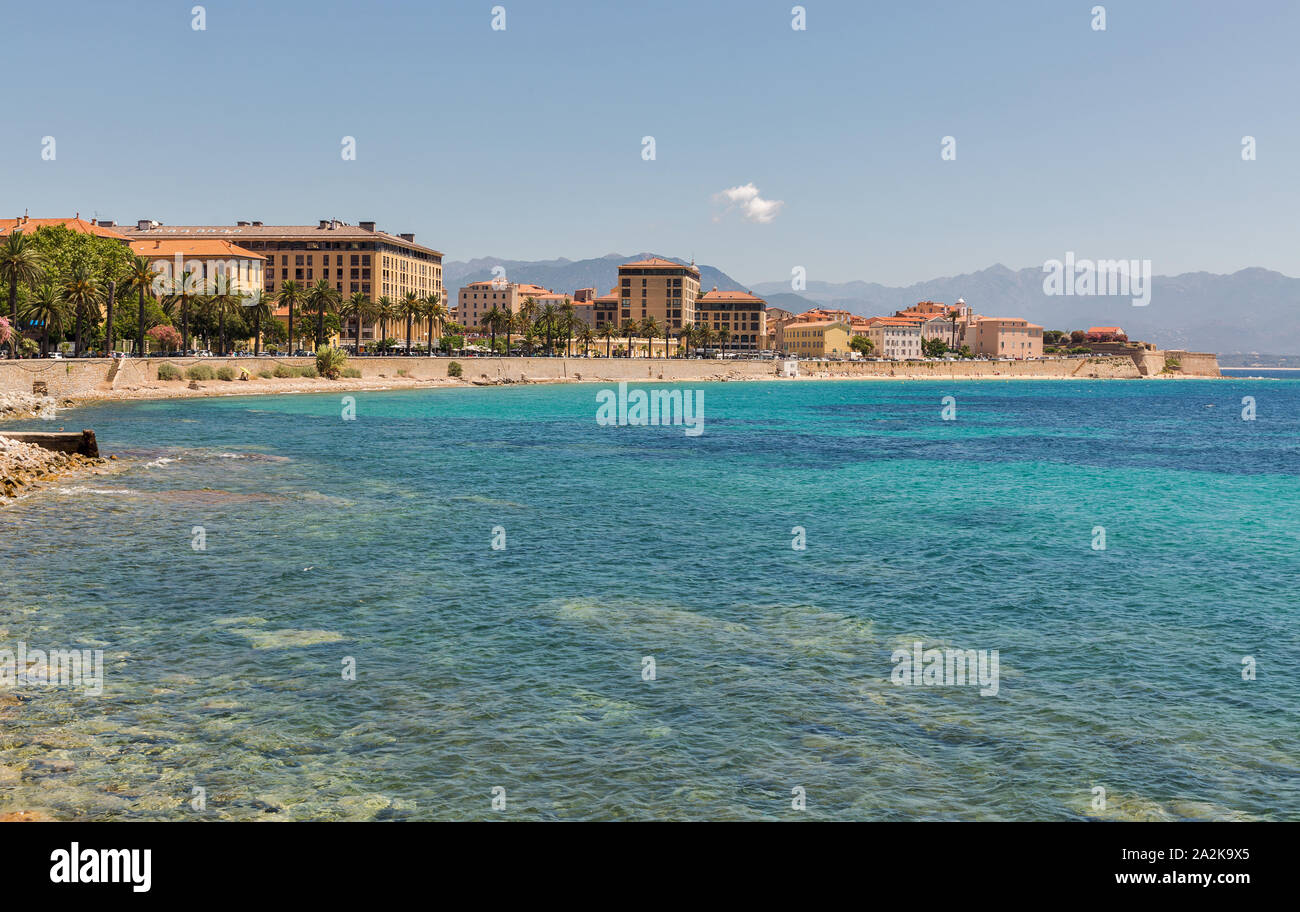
(527, 143)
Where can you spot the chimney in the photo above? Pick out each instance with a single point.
(324, 223)
(257, 224)
(241, 224)
(144, 224)
(367, 226)
(408, 237)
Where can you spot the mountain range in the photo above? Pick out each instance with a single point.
(1252, 310)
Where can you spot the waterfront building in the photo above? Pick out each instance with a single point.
(478, 298)
(205, 258)
(353, 258)
(1007, 337)
(814, 339)
(658, 288)
(29, 226)
(742, 314)
(896, 338)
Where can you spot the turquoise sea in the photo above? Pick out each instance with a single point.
(521, 669)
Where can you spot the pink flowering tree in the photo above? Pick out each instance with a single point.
(166, 337)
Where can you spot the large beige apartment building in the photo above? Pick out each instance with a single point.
(658, 288)
(477, 299)
(741, 314)
(1008, 337)
(353, 258)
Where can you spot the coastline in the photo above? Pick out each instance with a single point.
(98, 380)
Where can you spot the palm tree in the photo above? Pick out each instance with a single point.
(521, 322)
(668, 338)
(436, 312)
(19, 264)
(705, 338)
(585, 338)
(224, 299)
(608, 332)
(384, 309)
(177, 304)
(140, 276)
(629, 328)
(546, 318)
(355, 308)
(322, 299)
(490, 321)
(410, 309)
(290, 296)
(529, 340)
(529, 309)
(259, 310)
(650, 327)
(567, 321)
(47, 309)
(687, 332)
(82, 294)
(723, 335)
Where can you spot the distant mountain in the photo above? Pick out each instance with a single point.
(1254, 310)
(566, 275)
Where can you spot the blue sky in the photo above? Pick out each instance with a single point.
(526, 143)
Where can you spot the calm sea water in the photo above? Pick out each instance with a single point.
(521, 668)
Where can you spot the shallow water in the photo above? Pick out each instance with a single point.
(522, 668)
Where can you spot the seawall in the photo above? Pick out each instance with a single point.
(94, 377)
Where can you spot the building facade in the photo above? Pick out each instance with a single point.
(1008, 337)
(742, 314)
(352, 258)
(896, 338)
(814, 339)
(658, 288)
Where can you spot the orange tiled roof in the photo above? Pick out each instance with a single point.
(1104, 329)
(716, 295)
(191, 247)
(78, 224)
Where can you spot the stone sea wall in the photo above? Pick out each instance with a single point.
(92, 376)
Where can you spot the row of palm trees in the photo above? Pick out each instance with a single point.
(323, 298)
(554, 323)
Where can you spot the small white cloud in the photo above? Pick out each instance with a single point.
(752, 206)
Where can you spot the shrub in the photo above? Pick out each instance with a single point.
(454, 369)
(1172, 364)
(266, 374)
(283, 370)
(330, 361)
(353, 372)
(309, 372)
(168, 371)
(200, 372)
(402, 372)
(226, 373)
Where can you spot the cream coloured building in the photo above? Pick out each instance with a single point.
(814, 339)
(658, 288)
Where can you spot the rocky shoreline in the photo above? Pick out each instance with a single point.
(24, 466)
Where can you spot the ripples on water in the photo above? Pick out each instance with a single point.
(521, 668)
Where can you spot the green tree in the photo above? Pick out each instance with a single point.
(20, 264)
(862, 345)
(490, 320)
(608, 332)
(321, 300)
(48, 309)
(290, 296)
(82, 295)
(260, 311)
(410, 309)
(140, 277)
(436, 313)
(356, 307)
